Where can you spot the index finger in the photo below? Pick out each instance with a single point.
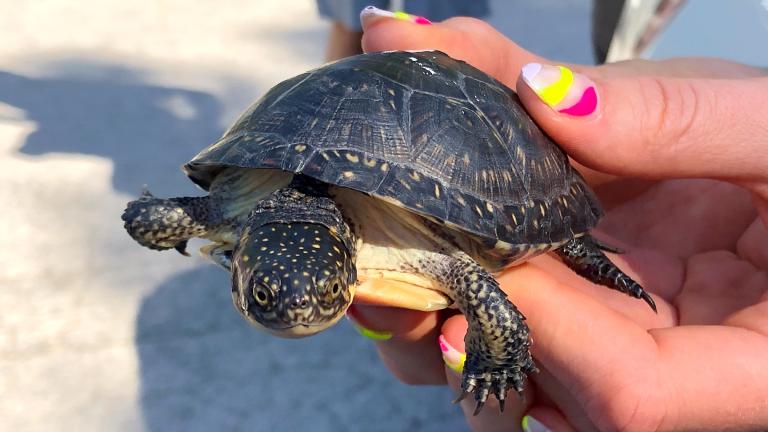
(409, 350)
(468, 39)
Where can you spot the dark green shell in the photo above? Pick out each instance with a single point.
(435, 134)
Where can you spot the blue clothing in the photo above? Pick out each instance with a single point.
(348, 11)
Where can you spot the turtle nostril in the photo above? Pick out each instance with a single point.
(298, 301)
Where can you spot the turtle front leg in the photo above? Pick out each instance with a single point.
(497, 341)
(168, 223)
(585, 257)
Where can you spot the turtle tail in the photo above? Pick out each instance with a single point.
(168, 223)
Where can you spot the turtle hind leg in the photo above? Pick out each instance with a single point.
(585, 257)
(160, 224)
(497, 341)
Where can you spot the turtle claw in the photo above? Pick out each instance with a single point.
(632, 288)
(584, 255)
(181, 247)
(500, 390)
(145, 193)
(460, 397)
(648, 299)
(478, 407)
(482, 384)
(464, 393)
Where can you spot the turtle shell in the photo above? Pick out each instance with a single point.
(428, 132)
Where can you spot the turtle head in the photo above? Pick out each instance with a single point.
(292, 279)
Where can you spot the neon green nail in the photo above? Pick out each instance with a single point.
(371, 334)
(530, 424)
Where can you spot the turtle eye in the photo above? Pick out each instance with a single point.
(331, 290)
(262, 295)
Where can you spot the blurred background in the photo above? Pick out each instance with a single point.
(101, 97)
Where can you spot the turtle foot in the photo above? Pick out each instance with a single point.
(496, 380)
(584, 255)
(162, 224)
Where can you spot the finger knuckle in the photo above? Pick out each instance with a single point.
(470, 23)
(677, 109)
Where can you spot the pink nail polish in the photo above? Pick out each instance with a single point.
(562, 89)
(372, 12)
(451, 356)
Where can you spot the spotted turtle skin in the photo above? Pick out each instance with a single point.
(431, 133)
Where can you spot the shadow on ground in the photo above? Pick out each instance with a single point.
(204, 368)
(105, 110)
(201, 367)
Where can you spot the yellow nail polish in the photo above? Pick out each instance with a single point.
(451, 356)
(370, 334)
(374, 12)
(530, 424)
(564, 91)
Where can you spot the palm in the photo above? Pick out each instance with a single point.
(692, 242)
(697, 234)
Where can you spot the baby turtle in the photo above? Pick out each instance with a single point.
(399, 178)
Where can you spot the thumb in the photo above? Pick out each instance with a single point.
(650, 126)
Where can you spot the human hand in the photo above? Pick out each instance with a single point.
(698, 245)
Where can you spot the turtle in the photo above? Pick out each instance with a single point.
(405, 178)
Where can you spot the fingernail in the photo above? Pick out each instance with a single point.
(562, 89)
(370, 13)
(370, 334)
(451, 356)
(530, 424)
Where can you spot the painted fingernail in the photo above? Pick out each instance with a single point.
(371, 12)
(451, 356)
(562, 89)
(370, 334)
(530, 424)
